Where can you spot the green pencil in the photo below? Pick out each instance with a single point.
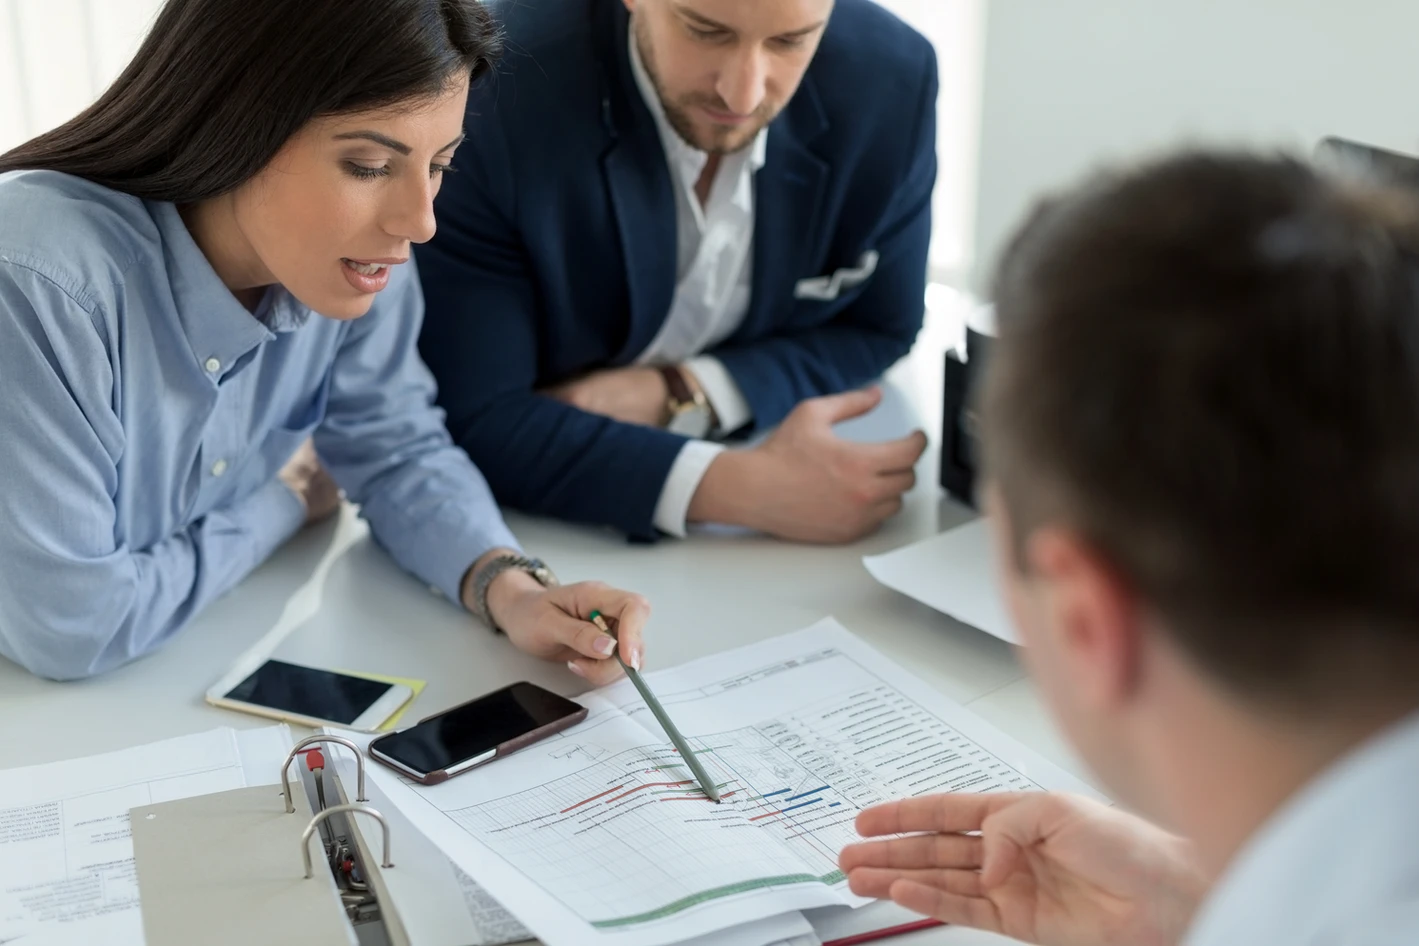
(686, 753)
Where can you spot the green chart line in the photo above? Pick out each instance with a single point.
(728, 890)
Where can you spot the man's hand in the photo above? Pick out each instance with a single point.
(807, 484)
(552, 623)
(630, 395)
(307, 477)
(1046, 868)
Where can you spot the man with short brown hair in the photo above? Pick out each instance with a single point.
(1202, 442)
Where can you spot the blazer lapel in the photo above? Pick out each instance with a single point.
(638, 184)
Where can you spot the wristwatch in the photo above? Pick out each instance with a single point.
(690, 413)
(484, 579)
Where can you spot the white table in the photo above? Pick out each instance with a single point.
(340, 602)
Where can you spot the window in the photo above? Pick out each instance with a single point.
(956, 29)
(56, 56)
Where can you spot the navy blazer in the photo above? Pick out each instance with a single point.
(556, 248)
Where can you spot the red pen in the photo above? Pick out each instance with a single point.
(873, 935)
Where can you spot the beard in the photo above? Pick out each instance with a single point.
(702, 135)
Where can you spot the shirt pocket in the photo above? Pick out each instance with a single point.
(284, 437)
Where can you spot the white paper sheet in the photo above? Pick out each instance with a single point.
(496, 927)
(66, 854)
(598, 833)
(839, 923)
(787, 929)
(952, 572)
(434, 915)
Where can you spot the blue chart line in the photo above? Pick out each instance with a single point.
(815, 791)
(801, 804)
(804, 804)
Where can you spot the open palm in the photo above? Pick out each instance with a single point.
(1049, 869)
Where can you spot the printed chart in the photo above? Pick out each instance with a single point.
(634, 832)
(603, 831)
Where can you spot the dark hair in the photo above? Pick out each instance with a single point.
(219, 86)
(1209, 368)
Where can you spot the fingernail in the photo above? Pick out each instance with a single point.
(604, 646)
(636, 659)
(572, 666)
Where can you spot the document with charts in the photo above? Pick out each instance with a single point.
(600, 833)
(66, 852)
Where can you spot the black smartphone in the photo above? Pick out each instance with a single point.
(477, 732)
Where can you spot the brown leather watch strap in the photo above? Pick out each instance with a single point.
(679, 388)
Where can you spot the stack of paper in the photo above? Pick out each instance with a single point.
(66, 854)
(599, 834)
(952, 572)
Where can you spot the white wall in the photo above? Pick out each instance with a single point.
(56, 56)
(1070, 83)
(955, 29)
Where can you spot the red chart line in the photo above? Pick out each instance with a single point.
(688, 781)
(769, 815)
(591, 799)
(698, 797)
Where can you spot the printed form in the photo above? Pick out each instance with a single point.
(602, 833)
(66, 854)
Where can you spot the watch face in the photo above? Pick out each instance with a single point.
(691, 422)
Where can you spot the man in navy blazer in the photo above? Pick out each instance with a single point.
(677, 221)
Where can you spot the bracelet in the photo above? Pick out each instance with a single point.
(484, 580)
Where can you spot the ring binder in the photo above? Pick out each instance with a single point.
(258, 889)
(313, 740)
(421, 902)
(336, 810)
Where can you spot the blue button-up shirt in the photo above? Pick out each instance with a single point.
(146, 414)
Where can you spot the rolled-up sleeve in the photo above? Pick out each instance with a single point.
(385, 443)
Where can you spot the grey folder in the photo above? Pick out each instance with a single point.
(228, 870)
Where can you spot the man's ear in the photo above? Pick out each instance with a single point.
(1094, 614)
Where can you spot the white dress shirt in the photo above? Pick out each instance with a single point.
(712, 290)
(1338, 865)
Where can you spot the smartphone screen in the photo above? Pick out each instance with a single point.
(305, 691)
(464, 732)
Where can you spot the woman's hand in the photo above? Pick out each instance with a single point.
(554, 623)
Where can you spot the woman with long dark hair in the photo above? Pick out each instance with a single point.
(206, 303)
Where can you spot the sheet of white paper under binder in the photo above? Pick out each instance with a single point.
(952, 572)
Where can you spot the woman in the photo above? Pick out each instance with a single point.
(204, 272)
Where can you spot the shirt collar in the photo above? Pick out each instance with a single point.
(217, 326)
(1339, 851)
(686, 159)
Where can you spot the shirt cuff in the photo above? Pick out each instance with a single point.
(730, 407)
(685, 475)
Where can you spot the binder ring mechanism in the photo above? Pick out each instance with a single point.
(339, 809)
(359, 771)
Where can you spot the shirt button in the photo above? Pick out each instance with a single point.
(219, 467)
(212, 365)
